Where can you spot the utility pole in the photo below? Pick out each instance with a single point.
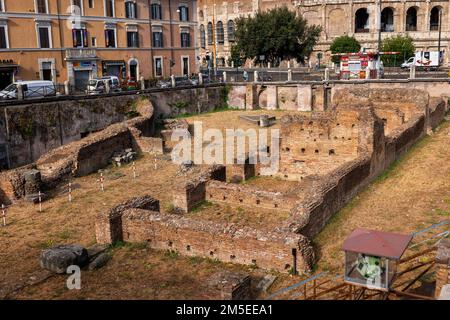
(214, 38)
(171, 62)
(379, 26)
(439, 37)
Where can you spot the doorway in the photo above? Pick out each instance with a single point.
(185, 66)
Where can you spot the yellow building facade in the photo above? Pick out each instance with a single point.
(75, 40)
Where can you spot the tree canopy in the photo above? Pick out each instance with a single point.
(277, 34)
(402, 44)
(344, 44)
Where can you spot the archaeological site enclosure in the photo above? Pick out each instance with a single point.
(334, 140)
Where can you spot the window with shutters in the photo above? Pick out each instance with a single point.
(41, 6)
(185, 39)
(130, 10)
(109, 8)
(3, 38)
(184, 12)
(110, 38)
(80, 39)
(156, 11)
(157, 37)
(44, 37)
(132, 39)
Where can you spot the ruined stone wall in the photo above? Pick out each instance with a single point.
(320, 96)
(187, 196)
(35, 129)
(247, 196)
(226, 242)
(28, 131)
(109, 226)
(330, 196)
(314, 145)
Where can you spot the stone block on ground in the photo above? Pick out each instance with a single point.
(100, 261)
(59, 258)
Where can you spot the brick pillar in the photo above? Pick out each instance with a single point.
(442, 265)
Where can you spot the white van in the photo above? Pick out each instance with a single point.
(97, 85)
(31, 89)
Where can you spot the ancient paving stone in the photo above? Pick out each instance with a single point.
(58, 259)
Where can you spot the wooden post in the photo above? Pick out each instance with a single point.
(101, 182)
(134, 170)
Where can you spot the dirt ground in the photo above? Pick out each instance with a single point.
(410, 196)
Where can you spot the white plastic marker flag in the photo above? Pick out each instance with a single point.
(102, 182)
(4, 215)
(40, 201)
(70, 191)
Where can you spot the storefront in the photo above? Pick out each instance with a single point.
(8, 72)
(83, 71)
(116, 68)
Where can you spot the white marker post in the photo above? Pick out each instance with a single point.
(134, 170)
(70, 191)
(4, 214)
(40, 201)
(156, 166)
(101, 182)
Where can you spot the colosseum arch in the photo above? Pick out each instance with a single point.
(435, 15)
(387, 19)
(335, 25)
(411, 18)
(362, 20)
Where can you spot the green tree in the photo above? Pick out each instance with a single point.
(236, 56)
(402, 44)
(344, 44)
(277, 34)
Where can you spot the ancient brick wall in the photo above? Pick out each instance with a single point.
(247, 196)
(328, 198)
(314, 145)
(186, 197)
(225, 242)
(108, 225)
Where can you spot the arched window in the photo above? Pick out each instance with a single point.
(387, 20)
(210, 33)
(200, 15)
(230, 29)
(202, 36)
(411, 19)
(361, 20)
(220, 33)
(435, 15)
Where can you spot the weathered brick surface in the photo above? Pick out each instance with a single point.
(226, 242)
(231, 285)
(247, 196)
(108, 226)
(188, 196)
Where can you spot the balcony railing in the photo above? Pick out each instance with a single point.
(81, 53)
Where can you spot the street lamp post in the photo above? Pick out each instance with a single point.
(379, 26)
(439, 37)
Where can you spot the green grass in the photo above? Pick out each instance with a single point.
(216, 110)
(202, 205)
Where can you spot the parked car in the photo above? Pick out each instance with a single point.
(31, 89)
(183, 81)
(264, 76)
(98, 85)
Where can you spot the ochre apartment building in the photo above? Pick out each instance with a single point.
(76, 40)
